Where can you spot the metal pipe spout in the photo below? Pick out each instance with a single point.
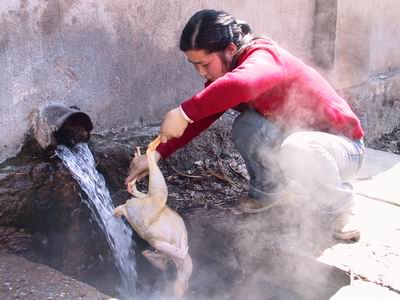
(57, 124)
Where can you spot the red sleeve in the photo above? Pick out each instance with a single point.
(192, 131)
(259, 72)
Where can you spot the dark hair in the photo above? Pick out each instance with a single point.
(213, 30)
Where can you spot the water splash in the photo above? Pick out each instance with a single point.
(80, 162)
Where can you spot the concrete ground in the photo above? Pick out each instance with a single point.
(374, 261)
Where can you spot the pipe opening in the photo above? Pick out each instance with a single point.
(57, 124)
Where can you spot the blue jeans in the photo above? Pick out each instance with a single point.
(320, 162)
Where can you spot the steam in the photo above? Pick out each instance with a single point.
(271, 255)
(277, 249)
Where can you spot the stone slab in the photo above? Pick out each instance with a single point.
(379, 177)
(375, 258)
(376, 162)
(22, 279)
(365, 290)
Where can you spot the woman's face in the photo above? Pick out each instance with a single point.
(213, 65)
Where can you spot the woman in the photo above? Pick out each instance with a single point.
(293, 125)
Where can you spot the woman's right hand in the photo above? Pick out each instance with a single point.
(138, 168)
(173, 125)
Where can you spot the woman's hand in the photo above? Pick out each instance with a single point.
(173, 125)
(139, 167)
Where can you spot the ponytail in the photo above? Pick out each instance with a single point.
(213, 30)
(244, 27)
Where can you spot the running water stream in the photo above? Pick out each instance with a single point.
(80, 162)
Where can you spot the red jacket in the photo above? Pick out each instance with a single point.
(276, 84)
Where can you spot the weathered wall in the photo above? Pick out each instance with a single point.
(119, 60)
(366, 67)
(367, 41)
(385, 36)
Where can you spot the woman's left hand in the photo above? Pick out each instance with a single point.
(173, 125)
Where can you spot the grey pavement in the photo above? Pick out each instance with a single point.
(374, 261)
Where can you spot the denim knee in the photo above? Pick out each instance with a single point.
(252, 128)
(309, 159)
(242, 126)
(302, 157)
